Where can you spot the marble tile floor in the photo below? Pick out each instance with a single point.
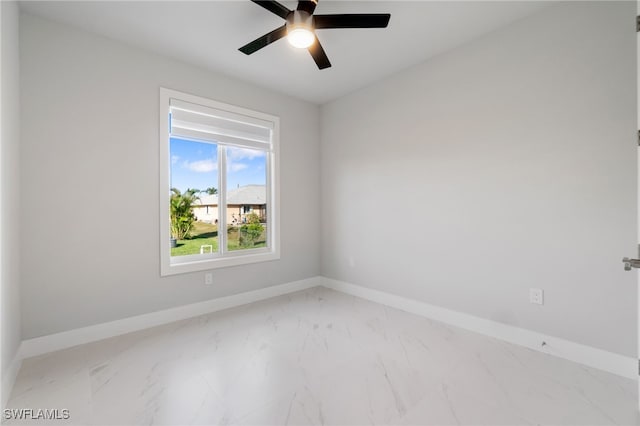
(317, 357)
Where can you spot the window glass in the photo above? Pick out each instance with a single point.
(194, 200)
(246, 198)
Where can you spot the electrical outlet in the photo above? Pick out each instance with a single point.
(208, 278)
(536, 295)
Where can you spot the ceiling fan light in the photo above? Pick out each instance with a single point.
(301, 38)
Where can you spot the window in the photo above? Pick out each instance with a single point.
(219, 184)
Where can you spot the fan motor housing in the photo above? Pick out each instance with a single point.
(299, 19)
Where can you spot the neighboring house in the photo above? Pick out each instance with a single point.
(240, 202)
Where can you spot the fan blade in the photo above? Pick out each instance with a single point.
(319, 55)
(263, 41)
(308, 6)
(362, 20)
(273, 7)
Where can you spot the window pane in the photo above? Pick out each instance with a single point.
(194, 199)
(246, 199)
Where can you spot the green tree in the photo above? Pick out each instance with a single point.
(251, 231)
(182, 217)
(211, 191)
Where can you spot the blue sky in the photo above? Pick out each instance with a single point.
(195, 165)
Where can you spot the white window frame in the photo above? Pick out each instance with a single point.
(202, 262)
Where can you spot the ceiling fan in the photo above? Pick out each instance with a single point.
(302, 23)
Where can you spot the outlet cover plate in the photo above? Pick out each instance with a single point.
(536, 296)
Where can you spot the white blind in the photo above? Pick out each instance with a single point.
(205, 123)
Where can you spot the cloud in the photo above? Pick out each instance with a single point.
(238, 154)
(201, 166)
(235, 157)
(236, 167)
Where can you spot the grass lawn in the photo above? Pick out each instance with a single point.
(207, 234)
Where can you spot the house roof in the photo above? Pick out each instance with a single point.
(248, 194)
(207, 200)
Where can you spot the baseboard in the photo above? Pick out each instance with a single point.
(583, 354)
(9, 378)
(586, 355)
(67, 339)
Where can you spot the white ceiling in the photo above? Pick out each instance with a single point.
(209, 33)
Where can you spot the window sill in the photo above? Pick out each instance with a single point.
(215, 262)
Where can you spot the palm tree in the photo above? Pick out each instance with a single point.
(182, 217)
(211, 191)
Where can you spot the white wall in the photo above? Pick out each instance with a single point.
(505, 164)
(10, 198)
(90, 139)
